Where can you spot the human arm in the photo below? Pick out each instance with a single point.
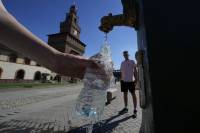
(16, 37)
(121, 71)
(135, 74)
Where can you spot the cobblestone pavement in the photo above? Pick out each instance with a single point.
(48, 110)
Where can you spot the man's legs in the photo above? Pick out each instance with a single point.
(125, 95)
(134, 100)
(134, 104)
(126, 99)
(125, 109)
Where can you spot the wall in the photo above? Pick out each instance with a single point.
(172, 40)
(3, 58)
(9, 70)
(147, 125)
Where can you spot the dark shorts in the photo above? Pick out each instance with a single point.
(125, 86)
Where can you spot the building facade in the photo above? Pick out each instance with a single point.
(14, 67)
(68, 39)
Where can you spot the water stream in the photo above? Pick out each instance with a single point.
(92, 98)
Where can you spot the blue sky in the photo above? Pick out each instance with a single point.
(42, 17)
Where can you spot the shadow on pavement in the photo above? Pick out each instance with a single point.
(105, 127)
(18, 126)
(25, 126)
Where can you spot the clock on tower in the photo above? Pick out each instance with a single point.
(75, 32)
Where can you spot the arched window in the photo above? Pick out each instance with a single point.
(20, 74)
(27, 61)
(37, 75)
(1, 71)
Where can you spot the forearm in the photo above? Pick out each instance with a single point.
(136, 74)
(71, 65)
(18, 38)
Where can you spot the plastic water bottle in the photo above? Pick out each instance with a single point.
(91, 100)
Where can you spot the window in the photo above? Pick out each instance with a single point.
(37, 76)
(75, 20)
(27, 61)
(20, 74)
(13, 58)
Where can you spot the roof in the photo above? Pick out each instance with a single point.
(66, 33)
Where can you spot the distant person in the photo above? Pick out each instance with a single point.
(16, 37)
(138, 59)
(128, 81)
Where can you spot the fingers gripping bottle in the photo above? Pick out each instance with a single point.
(92, 98)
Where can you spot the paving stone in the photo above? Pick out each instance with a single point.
(50, 110)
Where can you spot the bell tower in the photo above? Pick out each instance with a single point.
(68, 39)
(71, 25)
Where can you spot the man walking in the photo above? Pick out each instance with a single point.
(128, 81)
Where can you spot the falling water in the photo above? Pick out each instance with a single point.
(92, 98)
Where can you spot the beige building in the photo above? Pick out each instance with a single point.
(14, 67)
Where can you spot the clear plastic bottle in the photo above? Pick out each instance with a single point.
(91, 100)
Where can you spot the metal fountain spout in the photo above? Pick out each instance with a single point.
(128, 18)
